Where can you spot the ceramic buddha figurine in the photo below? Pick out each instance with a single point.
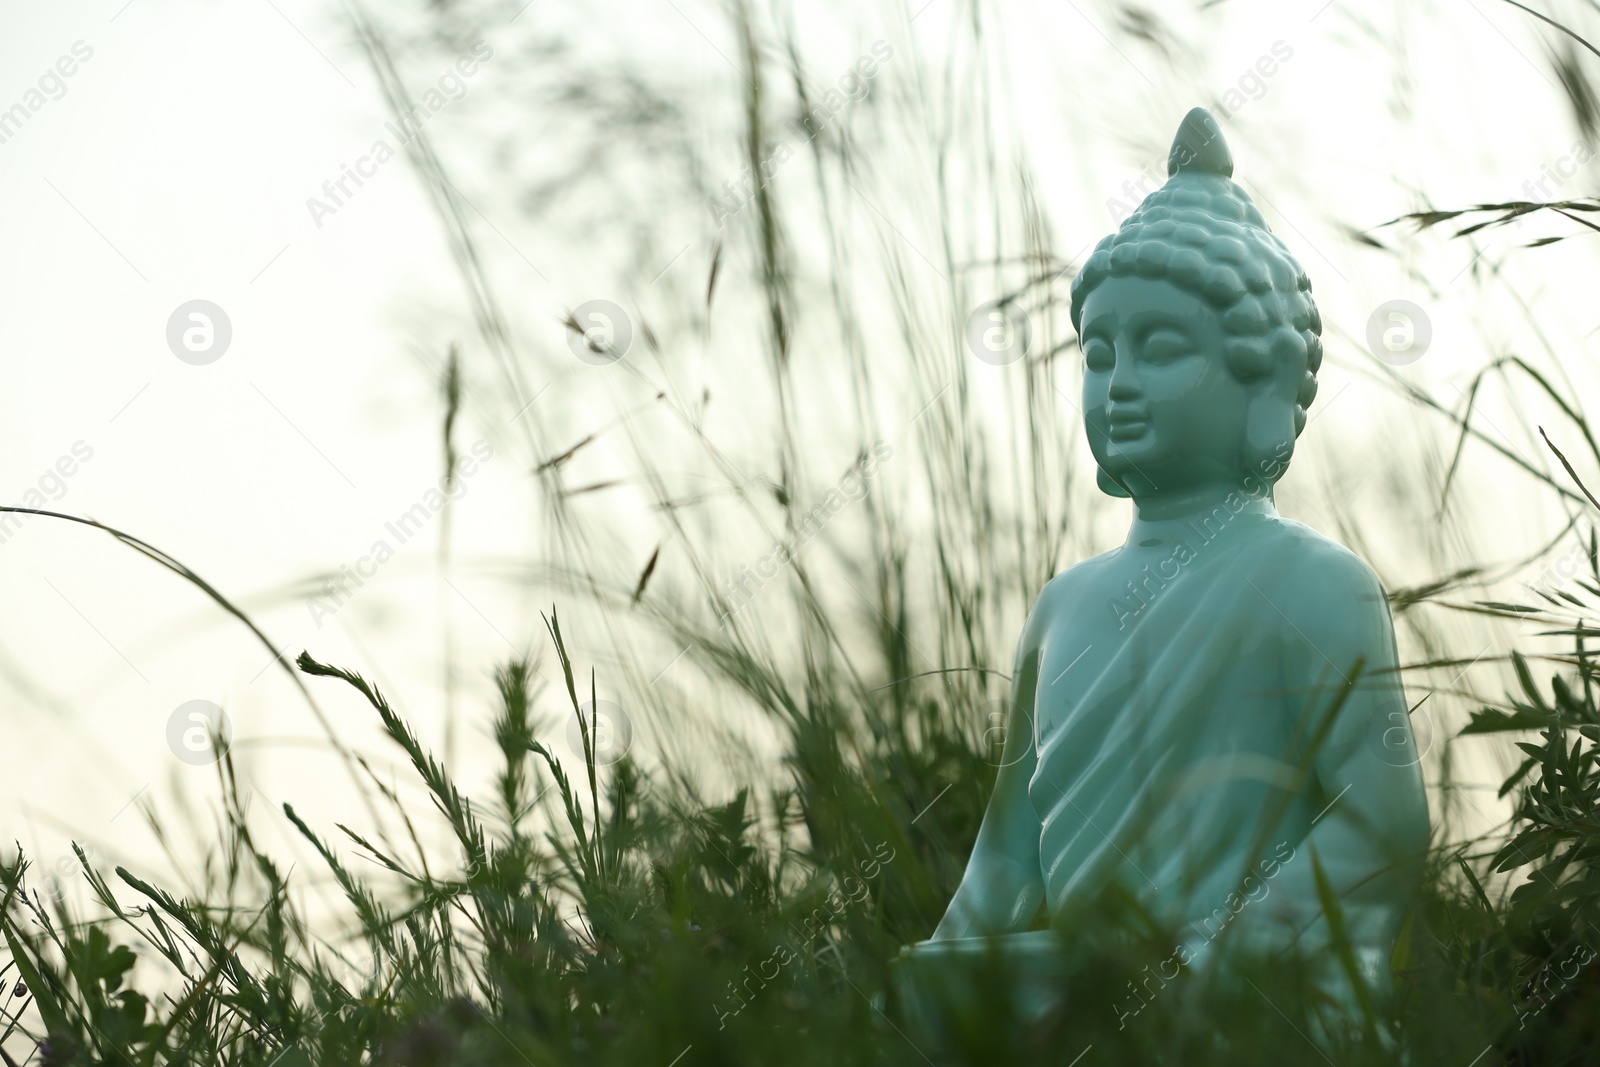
(1199, 711)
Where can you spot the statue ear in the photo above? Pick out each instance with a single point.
(1108, 485)
(1268, 435)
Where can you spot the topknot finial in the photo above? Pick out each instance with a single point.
(1199, 147)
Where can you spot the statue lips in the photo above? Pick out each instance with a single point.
(1126, 424)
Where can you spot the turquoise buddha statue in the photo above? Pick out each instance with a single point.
(1199, 712)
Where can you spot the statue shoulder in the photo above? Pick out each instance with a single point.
(1076, 582)
(1078, 578)
(1322, 567)
(1329, 595)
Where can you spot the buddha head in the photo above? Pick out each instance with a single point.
(1200, 339)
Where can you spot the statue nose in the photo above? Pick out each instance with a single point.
(1124, 383)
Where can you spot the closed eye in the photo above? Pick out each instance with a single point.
(1165, 345)
(1098, 355)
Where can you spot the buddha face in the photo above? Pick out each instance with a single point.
(1161, 408)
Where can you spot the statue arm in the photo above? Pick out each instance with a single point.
(1002, 887)
(1370, 832)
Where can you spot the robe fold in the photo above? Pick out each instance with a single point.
(1192, 740)
(1182, 762)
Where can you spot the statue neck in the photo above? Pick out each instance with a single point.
(1164, 519)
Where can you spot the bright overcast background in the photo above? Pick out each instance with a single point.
(175, 164)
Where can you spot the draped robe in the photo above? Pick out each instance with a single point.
(1181, 760)
(1198, 735)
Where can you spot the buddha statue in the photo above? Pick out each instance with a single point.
(1210, 714)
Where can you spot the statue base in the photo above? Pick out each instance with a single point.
(941, 988)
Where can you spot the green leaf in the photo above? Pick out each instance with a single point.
(1516, 776)
(1525, 676)
(1341, 945)
(1500, 605)
(1477, 887)
(44, 993)
(1495, 721)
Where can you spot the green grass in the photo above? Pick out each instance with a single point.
(643, 924)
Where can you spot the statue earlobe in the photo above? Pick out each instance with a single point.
(1109, 485)
(1269, 434)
